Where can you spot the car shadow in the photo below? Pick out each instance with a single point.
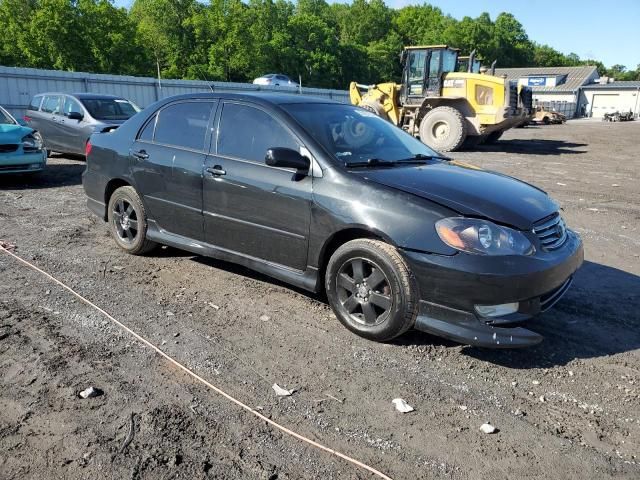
(598, 317)
(54, 175)
(535, 146)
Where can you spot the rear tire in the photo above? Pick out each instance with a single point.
(444, 129)
(371, 289)
(128, 221)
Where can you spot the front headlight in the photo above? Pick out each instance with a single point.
(482, 237)
(32, 142)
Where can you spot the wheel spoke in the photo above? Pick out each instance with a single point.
(129, 234)
(370, 315)
(375, 278)
(346, 282)
(133, 225)
(382, 301)
(129, 209)
(358, 273)
(120, 206)
(350, 303)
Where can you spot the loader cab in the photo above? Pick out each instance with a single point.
(423, 69)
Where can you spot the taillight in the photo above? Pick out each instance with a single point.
(26, 118)
(87, 148)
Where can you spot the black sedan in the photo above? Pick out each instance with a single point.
(329, 197)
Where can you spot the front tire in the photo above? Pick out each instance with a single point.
(371, 289)
(443, 128)
(128, 221)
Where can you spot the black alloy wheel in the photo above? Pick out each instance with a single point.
(125, 220)
(364, 291)
(371, 289)
(128, 221)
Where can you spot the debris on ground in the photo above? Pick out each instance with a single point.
(91, 392)
(282, 392)
(488, 428)
(265, 318)
(402, 406)
(214, 306)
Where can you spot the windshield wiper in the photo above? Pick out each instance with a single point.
(371, 162)
(421, 158)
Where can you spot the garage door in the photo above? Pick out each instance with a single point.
(607, 103)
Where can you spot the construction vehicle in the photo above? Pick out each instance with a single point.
(446, 108)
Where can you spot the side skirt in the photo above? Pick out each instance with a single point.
(307, 279)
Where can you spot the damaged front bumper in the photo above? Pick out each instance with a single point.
(452, 288)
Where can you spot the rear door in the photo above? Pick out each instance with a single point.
(48, 121)
(249, 207)
(168, 159)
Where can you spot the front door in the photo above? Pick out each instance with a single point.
(73, 134)
(168, 158)
(249, 207)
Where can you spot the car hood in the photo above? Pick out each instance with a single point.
(13, 133)
(469, 191)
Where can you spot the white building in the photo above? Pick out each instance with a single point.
(611, 96)
(555, 88)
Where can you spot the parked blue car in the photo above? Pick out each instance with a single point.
(21, 149)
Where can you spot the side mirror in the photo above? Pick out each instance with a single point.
(75, 116)
(286, 158)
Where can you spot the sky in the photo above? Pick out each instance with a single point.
(608, 31)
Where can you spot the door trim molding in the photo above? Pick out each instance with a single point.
(257, 225)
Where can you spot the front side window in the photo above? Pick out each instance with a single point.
(70, 105)
(247, 133)
(109, 108)
(353, 135)
(51, 104)
(5, 118)
(183, 125)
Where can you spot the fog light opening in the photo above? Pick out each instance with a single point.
(492, 311)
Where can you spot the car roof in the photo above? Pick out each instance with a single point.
(82, 96)
(267, 98)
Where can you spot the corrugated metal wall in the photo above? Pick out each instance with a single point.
(19, 85)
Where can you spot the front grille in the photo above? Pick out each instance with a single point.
(552, 232)
(549, 299)
(8, 147)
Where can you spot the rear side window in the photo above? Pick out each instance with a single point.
(51, 104)
(147, 132)
(247, 133)
(35, 103)
(183, 124)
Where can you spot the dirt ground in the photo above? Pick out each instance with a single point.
(568, 408)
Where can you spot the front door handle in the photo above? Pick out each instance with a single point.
(216, 170)
(140, 154)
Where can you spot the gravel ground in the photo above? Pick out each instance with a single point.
(568, 408)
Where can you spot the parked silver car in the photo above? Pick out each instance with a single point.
(275, 79)
(66, 121)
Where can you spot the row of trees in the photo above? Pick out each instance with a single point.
(328, 45)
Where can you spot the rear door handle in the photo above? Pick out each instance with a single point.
(140, 154)
(216, 170)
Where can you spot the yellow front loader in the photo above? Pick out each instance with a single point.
(443, 107)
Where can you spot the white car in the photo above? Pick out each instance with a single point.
(275, 79)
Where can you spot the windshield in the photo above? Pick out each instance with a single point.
(109, 108)
(5, 118)
(354, 135)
